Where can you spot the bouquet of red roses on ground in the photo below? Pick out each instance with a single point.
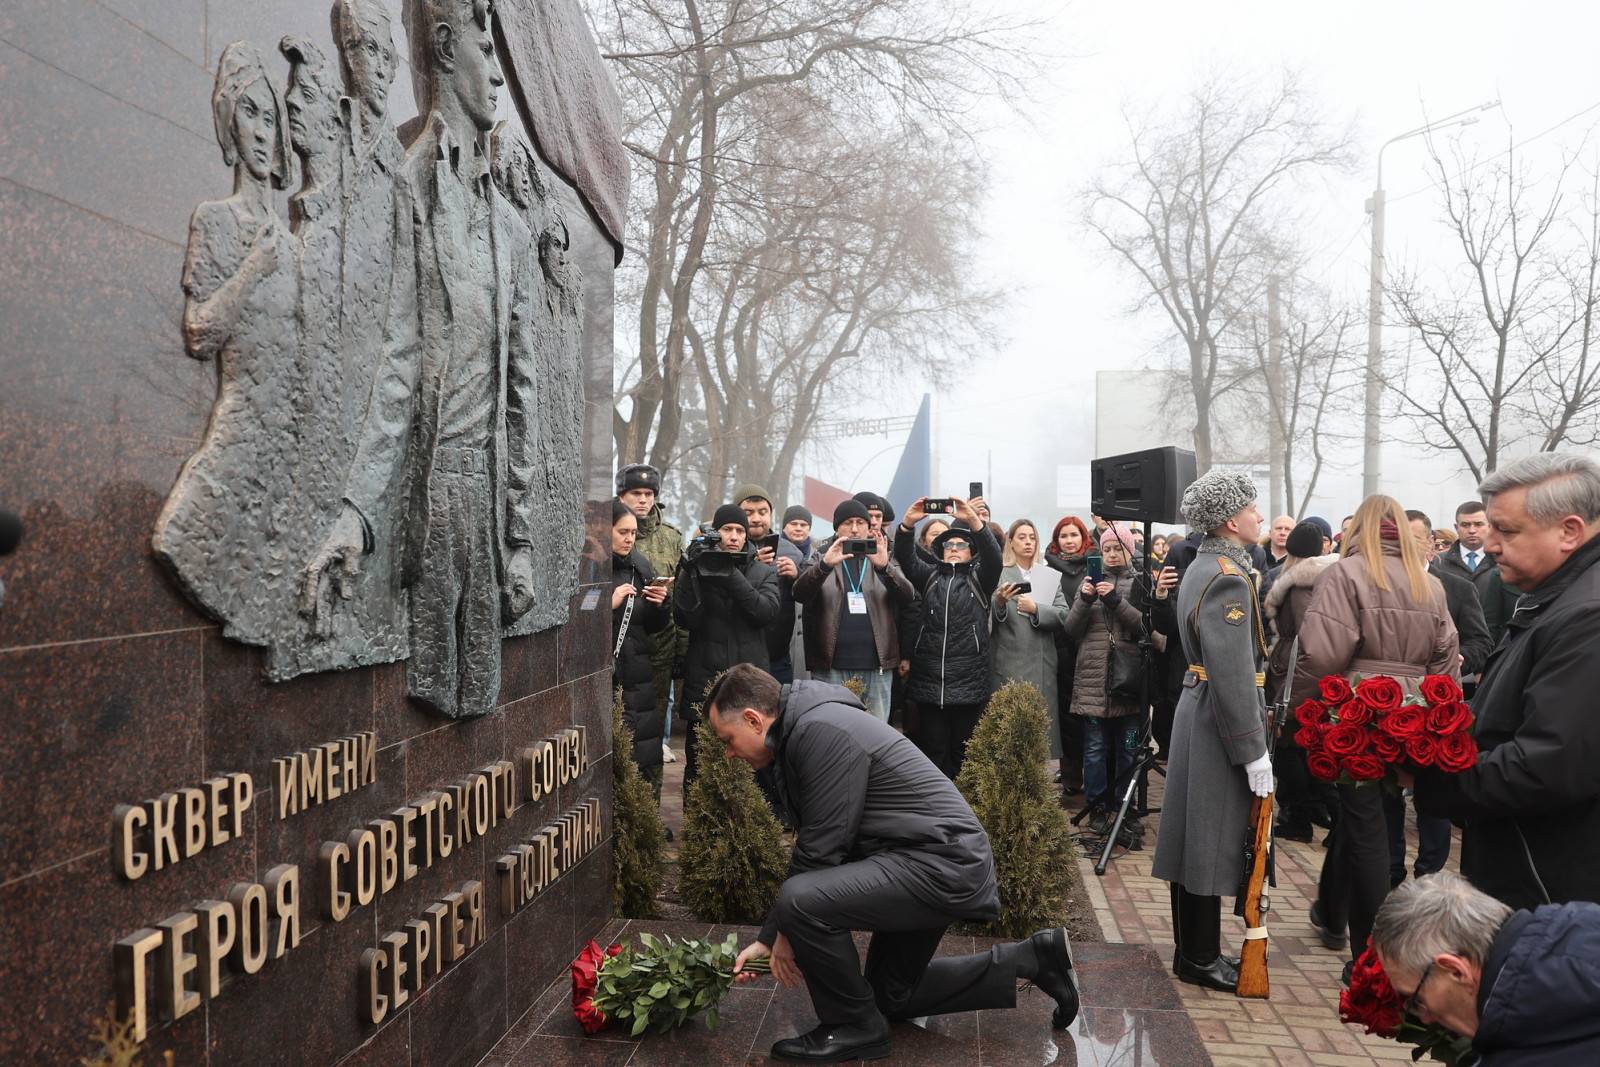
(1365, 733)
(658, 986)
(1372, 1003)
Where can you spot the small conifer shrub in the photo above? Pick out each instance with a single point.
(732, 858)
(637, 833)
(1006, 781)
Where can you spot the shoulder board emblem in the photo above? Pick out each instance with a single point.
(1227, 566)
(1234, 614)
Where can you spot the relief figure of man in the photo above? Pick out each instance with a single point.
(453, 406)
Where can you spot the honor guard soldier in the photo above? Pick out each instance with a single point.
(1219, 751)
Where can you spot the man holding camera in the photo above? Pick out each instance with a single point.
(852, 594)
(725, 598)
(775, 551)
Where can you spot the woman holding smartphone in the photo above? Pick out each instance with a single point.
(638, 608)
(1027, 616)
(1101, 617)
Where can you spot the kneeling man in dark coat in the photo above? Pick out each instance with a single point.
(884, 842)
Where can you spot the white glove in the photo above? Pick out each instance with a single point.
(1259, 774)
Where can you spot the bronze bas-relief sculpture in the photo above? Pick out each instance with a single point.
(392, 469)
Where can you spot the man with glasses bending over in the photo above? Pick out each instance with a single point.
(1523, 985)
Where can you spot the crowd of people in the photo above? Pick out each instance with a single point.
(1176, 647)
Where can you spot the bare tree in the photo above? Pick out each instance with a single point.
(699, 78)
(1191, 212)
(1296, 383)
(1502, 357)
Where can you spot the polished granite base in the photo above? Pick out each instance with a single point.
(1131, 1015)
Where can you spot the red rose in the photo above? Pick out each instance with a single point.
(614, 950)
(1440, 689)
(1323, 766)
(1363, 767)
(1449, 718)
(1456, 753)
(1371, 1001)
(1334, 689)
(585, 973)
(1380, 692)
(1308, 737)
(1421, 750)
(1403, 724)
(1311, 713)
(1356, 712)
(1387, 748)
(1345, 740)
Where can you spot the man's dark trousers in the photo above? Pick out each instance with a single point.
(1433, 840)
(818, 910)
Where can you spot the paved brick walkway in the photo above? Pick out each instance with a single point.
(1299, 1024)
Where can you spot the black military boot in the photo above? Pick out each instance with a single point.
(1199, 960)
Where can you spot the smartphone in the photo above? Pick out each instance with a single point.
(1096, 572)
(860, 546)
(974, 490)
(937, 505)
(658, 583)
(1023, 587)
(769, 541)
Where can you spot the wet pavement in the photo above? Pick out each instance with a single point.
(1131, 1015)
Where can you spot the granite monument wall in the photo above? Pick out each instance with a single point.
(259, 866)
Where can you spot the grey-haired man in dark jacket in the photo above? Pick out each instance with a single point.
(884, 842)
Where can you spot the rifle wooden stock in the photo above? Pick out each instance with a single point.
(1253, 954)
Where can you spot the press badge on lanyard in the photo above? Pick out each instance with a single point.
(855, 600)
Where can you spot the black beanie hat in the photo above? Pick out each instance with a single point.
(728, 515)
(795, 511)
(1305, 541)
(850, 509)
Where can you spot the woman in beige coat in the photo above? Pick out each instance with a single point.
(1376, 611)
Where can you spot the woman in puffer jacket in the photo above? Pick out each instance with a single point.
(1376, 611)
(637, 610)
(1103, 614)
(949, 676)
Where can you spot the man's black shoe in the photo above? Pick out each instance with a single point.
(1332, 940)
(1053, 973)
(1293, 831)
(1221, 974)
(834, 1044)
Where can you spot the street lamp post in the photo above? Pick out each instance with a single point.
(1372, 455)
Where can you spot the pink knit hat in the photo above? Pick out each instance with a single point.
(1118, 534)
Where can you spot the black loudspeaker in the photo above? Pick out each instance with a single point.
(1145, 486)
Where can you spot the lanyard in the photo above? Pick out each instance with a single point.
(860, 578)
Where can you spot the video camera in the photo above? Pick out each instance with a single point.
(706, 554)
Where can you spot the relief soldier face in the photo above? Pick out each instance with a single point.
(255, 129)
(313, 121)
(477, 74)
(368, 50)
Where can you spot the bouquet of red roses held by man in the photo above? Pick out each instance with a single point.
(1372, 1003)
(1370, 731)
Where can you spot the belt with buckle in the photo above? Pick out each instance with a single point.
(1200, 675)
(461, 460)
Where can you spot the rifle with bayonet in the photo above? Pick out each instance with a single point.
(1252, 903)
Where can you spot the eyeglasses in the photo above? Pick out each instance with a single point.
(1410, 1006)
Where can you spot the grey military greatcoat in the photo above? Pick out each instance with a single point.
(1219, 727)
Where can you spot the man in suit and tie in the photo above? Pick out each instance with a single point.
(1469, 560)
